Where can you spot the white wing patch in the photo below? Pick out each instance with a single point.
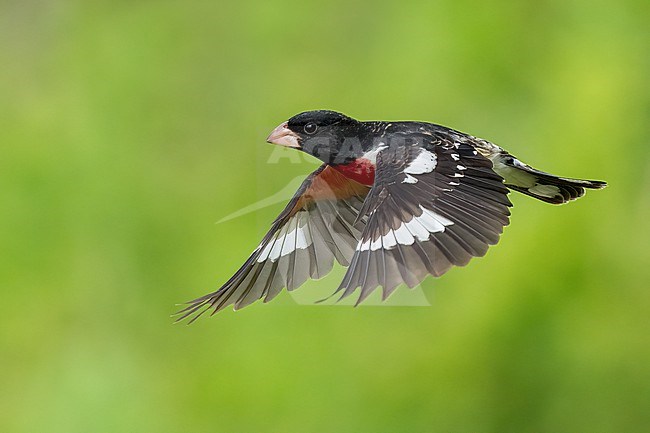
(289, 238)
(425, 162)
(432, 221)
(409, 179)
(418, 228)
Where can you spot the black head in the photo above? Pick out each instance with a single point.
(329, 136)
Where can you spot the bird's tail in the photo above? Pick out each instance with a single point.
(543, 186)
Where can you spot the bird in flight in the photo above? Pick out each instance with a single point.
(393, 202)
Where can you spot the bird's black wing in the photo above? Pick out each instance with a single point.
(435, 203)
(316, 227)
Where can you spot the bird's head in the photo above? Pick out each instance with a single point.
(329, 136)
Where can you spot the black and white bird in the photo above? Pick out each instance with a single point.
(393, 201)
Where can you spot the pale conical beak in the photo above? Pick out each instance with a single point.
(283, 136)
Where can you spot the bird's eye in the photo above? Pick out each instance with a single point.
(311, 128)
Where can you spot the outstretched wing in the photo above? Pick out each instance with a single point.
(316, 227)
(435, 203)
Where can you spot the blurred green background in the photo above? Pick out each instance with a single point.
(128, 129)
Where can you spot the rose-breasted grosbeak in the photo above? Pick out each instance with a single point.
(392, 201)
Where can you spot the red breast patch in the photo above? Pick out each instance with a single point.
(360, 170)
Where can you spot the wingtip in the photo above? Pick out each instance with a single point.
(598, 184)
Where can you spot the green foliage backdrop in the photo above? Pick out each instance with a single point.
(128, 128)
